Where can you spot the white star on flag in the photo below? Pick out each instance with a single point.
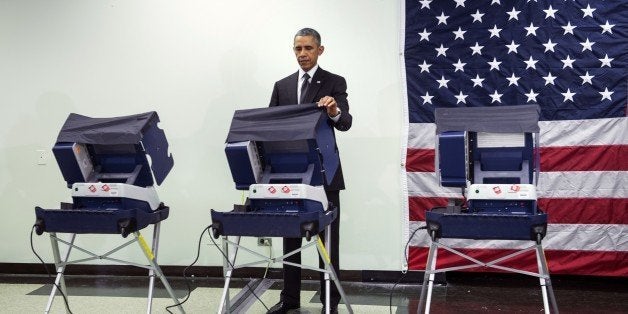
(427, 99)
(459, 66)
(425, 4)
(512, 80)
(425, 67)
(459, 33)
(549, 79)
(425, 35)
(441, 51)
(588, 11)
(477, 16)
(496, 97)
(568, 28)
(549, 45)
(477, 81)
(568, 95)
(494, 64)
(587, 45)
(494, 31)
(459, 3)
(531, 29)
(606, 94)
(606, 61)
(568, 62)
(586, 78)
(531, 96)
(442, 82)
(531, 63)
(477, 49)
(512, 47)
(550, 12)
(513, 14)
(607, 27)
(461, 98)
(442, 18)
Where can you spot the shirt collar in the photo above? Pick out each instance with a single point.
(310, 72)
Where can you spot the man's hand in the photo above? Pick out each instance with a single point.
(330, 104)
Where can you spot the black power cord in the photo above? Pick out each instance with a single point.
(65, 299)
(198, 253)
(187, 281)
(232, 266)
(403, 274)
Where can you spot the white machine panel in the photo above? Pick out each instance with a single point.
(251, 150)
(148, 194)
(83, 160)
(500, 139)
(288, 191)
(501, 192)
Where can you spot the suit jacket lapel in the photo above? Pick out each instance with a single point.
(292, 92)
(314, 87)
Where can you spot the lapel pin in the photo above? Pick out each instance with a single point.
(318, 82)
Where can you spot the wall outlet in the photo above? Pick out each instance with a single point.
(264, 241)
(42, 157)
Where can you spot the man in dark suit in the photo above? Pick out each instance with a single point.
(309, 85)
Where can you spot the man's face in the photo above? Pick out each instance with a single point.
(307, 51)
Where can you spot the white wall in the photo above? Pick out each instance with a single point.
(195, 62)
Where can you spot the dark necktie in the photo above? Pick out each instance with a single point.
(304, 86)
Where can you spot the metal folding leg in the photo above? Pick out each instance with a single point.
(549, 301)
(230, 265)
(330, 273)
(59, 268)
(153, 267)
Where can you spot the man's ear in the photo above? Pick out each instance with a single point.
(320, 50)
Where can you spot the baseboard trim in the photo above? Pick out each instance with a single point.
(383, 276)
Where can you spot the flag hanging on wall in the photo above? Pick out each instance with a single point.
(569, 57)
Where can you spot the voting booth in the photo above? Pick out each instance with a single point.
(492, 155)
(111, 166)
(283, 156)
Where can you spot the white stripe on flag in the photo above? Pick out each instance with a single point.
(583, 184)
(578, 184)
(426, 184)
(421, 135)
(611, 131)
(568, 237)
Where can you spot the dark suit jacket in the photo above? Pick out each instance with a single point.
(323, 84)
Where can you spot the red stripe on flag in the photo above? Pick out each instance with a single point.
(585, 158)
(564, 158)
(559, 210)
(420, 160)
(585, 210)
(597, 263)
(419, 205)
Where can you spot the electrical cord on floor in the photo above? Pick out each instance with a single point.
(232, 267)
(403, 273)
(187, 281)
(65, 299)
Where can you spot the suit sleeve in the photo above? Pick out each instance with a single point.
(274, 98)
(340, 95)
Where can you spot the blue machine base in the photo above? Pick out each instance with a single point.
(486, 226)
(99, 221)
(271, 224)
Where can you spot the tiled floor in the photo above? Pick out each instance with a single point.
(464, 293)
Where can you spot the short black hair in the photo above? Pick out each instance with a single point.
(309, 32)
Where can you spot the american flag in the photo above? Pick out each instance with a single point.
(569, 57)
